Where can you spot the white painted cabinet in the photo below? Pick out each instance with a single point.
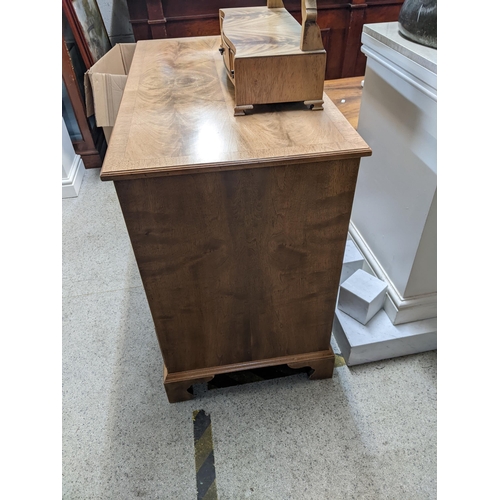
(394, 214)
(394, 211)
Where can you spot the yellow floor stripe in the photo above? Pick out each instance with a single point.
(211, 494)
(204, 456)
(339, 361)
(203, 447)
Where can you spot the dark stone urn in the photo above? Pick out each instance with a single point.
(418, 21)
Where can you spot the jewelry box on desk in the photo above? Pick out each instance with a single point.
(270, 57)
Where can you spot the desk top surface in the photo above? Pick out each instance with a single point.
(177, 117)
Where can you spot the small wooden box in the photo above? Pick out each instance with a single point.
(270, 58)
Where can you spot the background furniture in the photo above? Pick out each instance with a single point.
(341, 24)
(87, 139)
(87, 26)
(240, 264)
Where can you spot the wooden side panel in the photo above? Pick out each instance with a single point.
(241, 265)
(353, 39)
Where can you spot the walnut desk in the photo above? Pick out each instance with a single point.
(238, 223)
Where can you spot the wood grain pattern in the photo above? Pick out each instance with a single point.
(239, 269)
(261, 32)
(176, 117)
(177, 385)
(320, 368)
(304, 360)
(278, 79)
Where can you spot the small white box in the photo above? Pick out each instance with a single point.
(353, 260)
(361, 296)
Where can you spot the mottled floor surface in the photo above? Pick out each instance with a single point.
(368, 433)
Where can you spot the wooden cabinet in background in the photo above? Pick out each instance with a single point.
(87, 139)
(341, 24)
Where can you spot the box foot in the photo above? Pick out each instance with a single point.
(314, 105)
(240, 110)
(178, 391)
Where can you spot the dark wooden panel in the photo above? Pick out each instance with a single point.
(241, 265)
(181, 27)
(336, 21)
(378, 12)
(204, 7)
(343, 19)
(138, 12)
(156, 19)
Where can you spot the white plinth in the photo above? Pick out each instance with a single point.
(393, 220)
(381, 339)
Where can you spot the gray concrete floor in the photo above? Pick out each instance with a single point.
(368, 433)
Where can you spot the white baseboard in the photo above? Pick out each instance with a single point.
(400, 310)
(71, 184)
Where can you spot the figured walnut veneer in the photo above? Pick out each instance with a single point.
(238, 226)
(176, 117)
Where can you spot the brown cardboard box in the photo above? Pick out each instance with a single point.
(104, 85)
